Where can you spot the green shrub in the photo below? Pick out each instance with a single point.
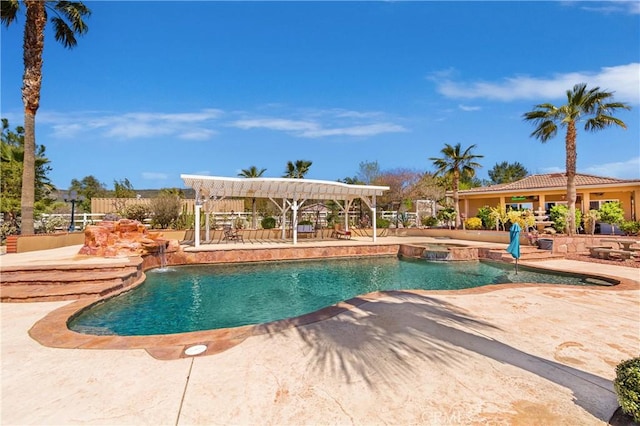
(51, 224)
(447, 215)
(187, 219)
(8, 228)
(137, 212)
(165, 210)
(382, 223)
(429, 221)
(590, 220)
(499, 216)
(488, 221)
(405, 220)
(627, 386)
(473, 223)
(305, 222)
(612, 213)
(558, 214)
(268, 223)
(630, 227)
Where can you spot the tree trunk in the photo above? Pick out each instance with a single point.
(570, 143)
(456, 198)
(31, 83)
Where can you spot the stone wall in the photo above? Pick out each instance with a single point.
(270, 254)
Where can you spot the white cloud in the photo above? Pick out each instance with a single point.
(134, 125)
(200, 125)
(469, 108)
(623, 80)
(366, 130)
(325, 123)
(629, 169)
(155, 176)
(275, 124)
(631, 7)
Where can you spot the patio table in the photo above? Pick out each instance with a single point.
(623, 244)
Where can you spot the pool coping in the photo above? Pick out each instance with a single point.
(52, 330)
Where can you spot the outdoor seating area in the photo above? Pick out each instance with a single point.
(307, 232)
(616, 248)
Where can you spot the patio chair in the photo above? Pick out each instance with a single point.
(340, 233)
(189, 237)
(231, 234)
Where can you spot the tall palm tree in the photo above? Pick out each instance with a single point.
(591, 106)
(297, 170)
(252, 172)
(455, 164)
(67, 21)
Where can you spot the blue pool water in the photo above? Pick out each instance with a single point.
(205, 297)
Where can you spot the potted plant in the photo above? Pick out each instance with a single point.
(627, 387)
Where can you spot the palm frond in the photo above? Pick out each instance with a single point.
(74, 12)
(9, 11)
(600, 122)
(63, 33)
(545, 131)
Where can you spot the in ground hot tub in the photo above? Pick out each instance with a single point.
(440, 251)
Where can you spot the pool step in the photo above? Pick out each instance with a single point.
(526, 253)
(66, 282)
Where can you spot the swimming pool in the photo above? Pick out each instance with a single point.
(206, 297)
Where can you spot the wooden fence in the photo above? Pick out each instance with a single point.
(112, 205)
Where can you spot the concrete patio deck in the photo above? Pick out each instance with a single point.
(506, 354)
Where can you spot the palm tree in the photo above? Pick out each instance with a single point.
(297, 170)
(590, 106)
(68, 21)
(455, 165)
(252, 172)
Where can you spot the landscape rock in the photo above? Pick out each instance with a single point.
(123, 238)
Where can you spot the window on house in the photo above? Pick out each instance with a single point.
(519, 206)
(549, 206)
(595, 205)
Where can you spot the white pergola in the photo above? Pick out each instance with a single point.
(292, 192)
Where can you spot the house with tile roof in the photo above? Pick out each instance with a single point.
(542, 192)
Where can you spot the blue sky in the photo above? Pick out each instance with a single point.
(156, 89)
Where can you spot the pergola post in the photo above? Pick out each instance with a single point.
(347, 208)
(373, 218)
(294, 220)
(197, 223)
(206, 226)
(283, 225)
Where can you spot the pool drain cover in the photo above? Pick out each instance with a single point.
(195, 350)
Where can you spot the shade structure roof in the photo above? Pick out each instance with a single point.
(221, 187)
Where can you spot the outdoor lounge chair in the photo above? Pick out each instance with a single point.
(189, 237)
(340, 233)
(231, 234)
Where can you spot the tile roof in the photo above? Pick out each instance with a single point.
(549, 181)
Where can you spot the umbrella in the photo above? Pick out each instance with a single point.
(514, 243)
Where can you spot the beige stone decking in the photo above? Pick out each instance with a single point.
(517, 354)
